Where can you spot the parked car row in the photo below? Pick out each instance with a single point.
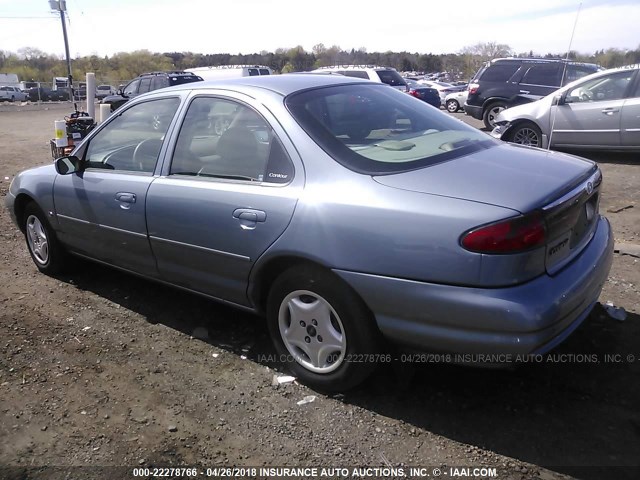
(600, 111)
(148, 82)
(47, 94)
(507, 82)
(12, 94)
(424, 93)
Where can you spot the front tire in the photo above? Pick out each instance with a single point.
(452, 106)
(526, 133)
(323, 332)
(491, 112)
(44, 248)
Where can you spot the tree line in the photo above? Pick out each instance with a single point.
(33, 64)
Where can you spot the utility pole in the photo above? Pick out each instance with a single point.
(61, 6)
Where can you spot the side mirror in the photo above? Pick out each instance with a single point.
(557, 100)
(68, 165)
(120, 92)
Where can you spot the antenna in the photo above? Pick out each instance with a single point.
(564, 71)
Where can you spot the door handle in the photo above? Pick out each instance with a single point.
(525, 91)
(249, 214)
(126, 197)
(610, 111)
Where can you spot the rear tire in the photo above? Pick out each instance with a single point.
(526, 133)
(44, 248)
(491, 112)
(323, 332)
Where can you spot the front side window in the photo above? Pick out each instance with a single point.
(608, 87)
(132, 140)
(373, 129)
(132, 88)
(225, 139)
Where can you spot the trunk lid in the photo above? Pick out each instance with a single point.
(564, 188)
(510, 176)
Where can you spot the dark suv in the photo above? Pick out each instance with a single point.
(506, 82)
(148, 82)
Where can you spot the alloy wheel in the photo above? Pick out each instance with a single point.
(312, 331)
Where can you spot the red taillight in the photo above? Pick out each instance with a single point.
(508, 236)
(473, 88)
(413, 92)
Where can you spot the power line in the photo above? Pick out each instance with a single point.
(23, 18)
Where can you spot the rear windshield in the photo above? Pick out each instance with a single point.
(354, 73)
(180, 79)
(376, 130)
(391, 77)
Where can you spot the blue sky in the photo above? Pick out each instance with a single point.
(247, 26)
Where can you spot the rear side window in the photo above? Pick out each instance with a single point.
(356, 74)
(159, 82)
(264, 71)
(145, 84)
(574, 72)
(222, 138)
(545, 74)
(390, 77)
(498, 72)
(179, 80)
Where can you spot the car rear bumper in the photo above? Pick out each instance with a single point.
(473, 110)
(530, 318)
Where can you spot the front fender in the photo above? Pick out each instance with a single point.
(35, 185)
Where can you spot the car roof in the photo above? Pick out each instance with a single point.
(284, 84)
(539, 60)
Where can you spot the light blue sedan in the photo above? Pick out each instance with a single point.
(345, 212)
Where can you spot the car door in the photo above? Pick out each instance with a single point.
(101, 210)
(226, 196)
(539, 80)
(630, 118)
(589, 114)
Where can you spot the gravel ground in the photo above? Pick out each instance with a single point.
(98, 368)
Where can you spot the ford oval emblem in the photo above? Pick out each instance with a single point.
(589, 188)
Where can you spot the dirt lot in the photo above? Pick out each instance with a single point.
(98, 368)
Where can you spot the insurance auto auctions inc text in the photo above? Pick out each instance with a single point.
(273, 473)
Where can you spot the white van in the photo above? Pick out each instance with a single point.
(230, 71)
(375, 73)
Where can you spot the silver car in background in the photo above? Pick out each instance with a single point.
(455, 101)
(344, 211)
(599, 111)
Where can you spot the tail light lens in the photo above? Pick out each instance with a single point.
(413, 92)
(513, 235)
(473, 88)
